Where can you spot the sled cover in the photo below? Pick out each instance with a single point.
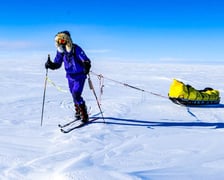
(187, 95)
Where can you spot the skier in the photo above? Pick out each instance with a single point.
(77, 65)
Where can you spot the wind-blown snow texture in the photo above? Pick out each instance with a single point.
(144, 137)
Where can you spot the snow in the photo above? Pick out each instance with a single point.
(144, 136)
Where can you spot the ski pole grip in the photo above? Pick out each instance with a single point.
(90, 83)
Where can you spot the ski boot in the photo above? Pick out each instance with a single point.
(83, 113)
(77, 112)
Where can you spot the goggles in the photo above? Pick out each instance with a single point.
(62, 41)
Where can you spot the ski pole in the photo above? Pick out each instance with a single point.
(45, 86)
(94, 92)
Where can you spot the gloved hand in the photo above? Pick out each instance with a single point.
(87, 66)
(49, 64)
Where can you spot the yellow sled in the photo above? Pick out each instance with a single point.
(187, 95)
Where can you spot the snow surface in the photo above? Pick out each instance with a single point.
(144, 136)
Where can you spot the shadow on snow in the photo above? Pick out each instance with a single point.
(206, 106)
(150, 124)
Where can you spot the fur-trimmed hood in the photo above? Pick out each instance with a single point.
(63, 38)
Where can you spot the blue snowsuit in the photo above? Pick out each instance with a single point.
(75, 70)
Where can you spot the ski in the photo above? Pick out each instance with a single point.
(71, 122)
(73, 128)
(67, 124)
(69, 129)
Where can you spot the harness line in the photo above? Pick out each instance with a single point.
(100, 77)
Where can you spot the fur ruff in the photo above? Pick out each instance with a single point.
(67, 39)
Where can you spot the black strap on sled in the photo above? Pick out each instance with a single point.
(186, 102)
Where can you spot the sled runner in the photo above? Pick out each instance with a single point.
(182, 94)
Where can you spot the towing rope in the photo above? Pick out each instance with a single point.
(101, 86)
(101, 78)
(56, 86)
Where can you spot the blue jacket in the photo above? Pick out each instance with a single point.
(73, 61)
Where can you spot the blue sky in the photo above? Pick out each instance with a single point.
(143, 30)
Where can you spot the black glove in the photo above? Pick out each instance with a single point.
(87, 66)
(49, 64)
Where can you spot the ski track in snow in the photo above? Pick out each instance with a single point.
(144, 137)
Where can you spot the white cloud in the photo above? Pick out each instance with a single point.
(173, 60)
(14, 44)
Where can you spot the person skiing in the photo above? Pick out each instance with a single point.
(77, 65)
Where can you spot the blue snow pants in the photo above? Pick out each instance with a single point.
(76, 85)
